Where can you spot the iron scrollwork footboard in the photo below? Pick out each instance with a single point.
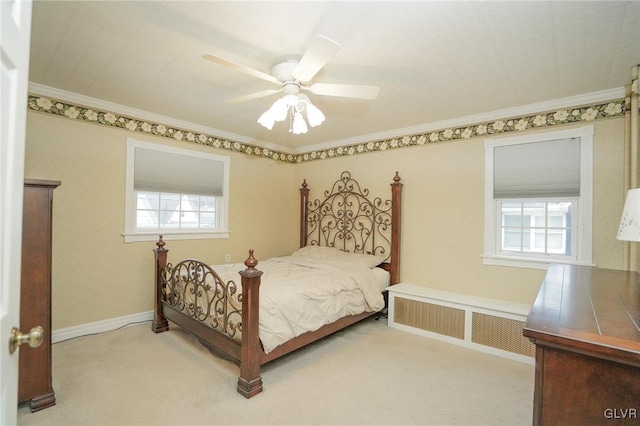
(196, 290)
(221, 314)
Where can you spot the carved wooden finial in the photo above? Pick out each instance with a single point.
(396, 178)
(251, 261)
(160, 243)
(304, 183)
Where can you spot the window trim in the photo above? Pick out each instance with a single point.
(584, 205)
(131, 234)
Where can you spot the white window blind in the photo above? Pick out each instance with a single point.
(160, 171)
(534, 170)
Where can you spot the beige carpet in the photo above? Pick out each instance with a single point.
(367, 374)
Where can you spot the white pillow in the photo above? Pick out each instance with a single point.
(331, 253)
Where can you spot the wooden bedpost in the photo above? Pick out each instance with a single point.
(396, 199)
(304, 206)
(159, 323)
(250, 381)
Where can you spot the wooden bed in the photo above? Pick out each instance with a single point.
(346, 218)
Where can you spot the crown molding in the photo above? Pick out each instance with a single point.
(502, 114)
(100, 104)
(571, 101)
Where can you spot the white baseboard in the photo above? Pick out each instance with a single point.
(111, 324)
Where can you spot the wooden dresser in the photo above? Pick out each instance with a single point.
(585, 323)
(35, 385)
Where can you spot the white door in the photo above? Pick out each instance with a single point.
(15, 37)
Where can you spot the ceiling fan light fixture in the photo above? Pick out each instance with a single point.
(266, 119)
(314, 115)
(302, 101)
(296, 104)
(299, 126)
(293, 75)
(279, 109)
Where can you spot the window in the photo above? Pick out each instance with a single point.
(538, 191)
(165, 210)
(536, 227)
(179, 193)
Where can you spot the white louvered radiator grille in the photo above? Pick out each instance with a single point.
(481, 324)
(430, 317)
(501, 333)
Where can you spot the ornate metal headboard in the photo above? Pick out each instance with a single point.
(348, 219)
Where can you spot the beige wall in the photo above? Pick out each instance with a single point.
(443, 211)
(97, 276)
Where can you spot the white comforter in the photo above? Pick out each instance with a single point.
(298, 295)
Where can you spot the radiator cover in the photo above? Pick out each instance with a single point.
(482, 324)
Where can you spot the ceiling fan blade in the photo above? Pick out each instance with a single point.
(255, 95)
(321, 50)
(241, 68)
(344, 90)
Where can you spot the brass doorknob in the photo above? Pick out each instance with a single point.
(34, 338)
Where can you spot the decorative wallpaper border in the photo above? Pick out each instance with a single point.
(611, 109)
(105, 118)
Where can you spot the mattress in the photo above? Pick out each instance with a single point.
(297, 295)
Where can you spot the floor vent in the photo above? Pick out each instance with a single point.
(483, 324)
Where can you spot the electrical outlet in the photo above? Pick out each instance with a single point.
(227, 257)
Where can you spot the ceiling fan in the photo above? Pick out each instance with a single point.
(293, 76)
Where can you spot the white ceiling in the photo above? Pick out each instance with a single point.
(433, 61)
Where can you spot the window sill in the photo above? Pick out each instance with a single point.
(172, 235)
(519, 262)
